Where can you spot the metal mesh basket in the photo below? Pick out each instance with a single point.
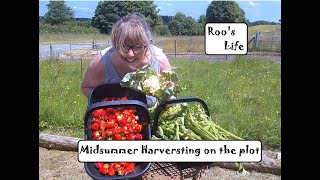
(163, 171)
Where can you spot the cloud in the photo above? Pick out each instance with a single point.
(253, 4)
(81, 9)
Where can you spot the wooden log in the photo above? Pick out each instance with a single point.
(58, 142)
(270, 163)
(264, 166)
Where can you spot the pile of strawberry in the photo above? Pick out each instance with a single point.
(119, 168)
(119, 123)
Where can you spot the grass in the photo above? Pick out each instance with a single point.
(62, 104)
(265, 28)
(49, 38)
(243, 96)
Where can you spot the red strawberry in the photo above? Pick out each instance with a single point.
(109, 133)
(102, 125)
(131, 137)
(111, 171)
(105, 165)
(118, 137)
(109, 124)
(95, 127)
(96, 135)
(96, 120)
(104, 171)
(138, 137)
(138, 128)
(116, 166)
(98, 165)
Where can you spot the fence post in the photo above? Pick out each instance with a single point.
(70, 47)
(175, 48)
(272, 40)
(51, 52)
(256, 41)
(190, 43)
(93, 44)
(81, 68)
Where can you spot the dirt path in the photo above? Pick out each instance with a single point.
(56, 165)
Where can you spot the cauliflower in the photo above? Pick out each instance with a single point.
(151, 85)
(162, 86)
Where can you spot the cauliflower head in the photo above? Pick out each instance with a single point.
(151, 85)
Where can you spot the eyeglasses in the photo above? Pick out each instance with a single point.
(136, 48)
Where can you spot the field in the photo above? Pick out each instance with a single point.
(243, 96)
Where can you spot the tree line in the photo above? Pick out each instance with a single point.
(107, 12)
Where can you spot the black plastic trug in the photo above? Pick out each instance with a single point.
(139, 169)
(114, 90)
(164, 104)
(161, 107)
(144, 120)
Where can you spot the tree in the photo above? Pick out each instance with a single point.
(166, 19)
(180, 24)
(163, 30)
(108, 12)
(225, 11)
(58, 13)
(201, 24)
(202, 19)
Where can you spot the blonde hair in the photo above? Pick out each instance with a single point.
(134, 28)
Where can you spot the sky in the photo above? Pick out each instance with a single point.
(255, 10)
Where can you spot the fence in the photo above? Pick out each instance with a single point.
(70, 49)
(260, 41)
(266, 41)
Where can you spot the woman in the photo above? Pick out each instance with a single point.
(132, 48)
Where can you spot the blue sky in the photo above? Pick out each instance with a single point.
(255, 10)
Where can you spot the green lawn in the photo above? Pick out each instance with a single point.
(243, 96)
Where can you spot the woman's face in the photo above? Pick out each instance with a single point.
(133, 52)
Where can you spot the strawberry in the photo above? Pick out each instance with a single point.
(98, 165)
(118, 137)
(124, 98)
(96, 120)
(95, 127)
(116, 166)
(122, 172)
(96, 113)
(103, 135)
(104, 171)
(102, 125)
(138, 128)
(109, 133)
(99, 113)
(109, 125)
(138, 137)
(111, 171)
(105, 165)
(96, 135)
(129, 167)
(124, 121)
(131, 137)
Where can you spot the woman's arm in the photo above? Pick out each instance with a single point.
(165, 64)
(94, 75)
